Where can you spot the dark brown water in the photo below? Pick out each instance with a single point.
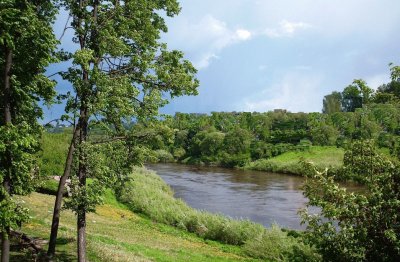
(263, 197)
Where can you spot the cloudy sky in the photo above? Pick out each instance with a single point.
(259, 55)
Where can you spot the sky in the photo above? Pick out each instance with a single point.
(260, 55)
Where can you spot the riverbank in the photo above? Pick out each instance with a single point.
(289, 162)
(152, 225)
(148, 194)
(117, 234)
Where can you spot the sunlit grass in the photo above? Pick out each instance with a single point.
(288, 162)
(117, 234)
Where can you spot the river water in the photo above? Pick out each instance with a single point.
(262, 197)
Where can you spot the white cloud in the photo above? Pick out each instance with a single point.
(286, 29)
(206, 38)
(296, 92)
(243, 34)
(205, 60)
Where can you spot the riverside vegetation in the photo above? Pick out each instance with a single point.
(146, 194)
(276, 140)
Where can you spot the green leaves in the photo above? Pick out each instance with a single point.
(356, 226)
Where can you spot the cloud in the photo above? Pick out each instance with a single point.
(243, 34)
(295, 92)
(286, 29)
(206, 38)
(205, 60)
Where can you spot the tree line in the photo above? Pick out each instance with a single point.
(236, 138)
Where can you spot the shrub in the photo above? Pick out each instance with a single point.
(163, 156)
(362, 226)
(277, 246)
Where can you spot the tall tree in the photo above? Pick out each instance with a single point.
(26, 46)
(119, 71)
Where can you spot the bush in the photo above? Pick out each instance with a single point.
(277, 246)
(362, 226)
(163, 156)
(238, 160)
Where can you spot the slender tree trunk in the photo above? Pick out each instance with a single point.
(5, 242)
(59, 197)
(82, 171)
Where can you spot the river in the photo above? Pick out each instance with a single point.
(262, 197)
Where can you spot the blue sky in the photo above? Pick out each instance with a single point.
(259, 55)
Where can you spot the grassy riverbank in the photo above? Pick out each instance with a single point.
(288, 163)
(118, 234)
(154, 226)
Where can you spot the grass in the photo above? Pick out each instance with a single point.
(326, 156)
(54, 151)
(114, 233)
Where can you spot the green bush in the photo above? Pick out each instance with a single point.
(164, 156)
(360, 226)
(271, 247)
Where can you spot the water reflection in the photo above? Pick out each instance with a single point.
(260, 196)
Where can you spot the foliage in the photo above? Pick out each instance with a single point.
(26, 46)
(356, 226)
(270, 246)
(237, 138)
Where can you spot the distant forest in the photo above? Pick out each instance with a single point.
(236, 138)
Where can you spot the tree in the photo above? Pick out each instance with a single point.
(26, 46)
(356, 226)
(332, 103)
(119, 71)
(356, 95)
(390, 92)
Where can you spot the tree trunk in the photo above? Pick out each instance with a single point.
(5, 247)
(61, 185)
(82, 171)
(5, 242)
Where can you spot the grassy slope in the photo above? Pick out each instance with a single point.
(117, 234)
(289, 162)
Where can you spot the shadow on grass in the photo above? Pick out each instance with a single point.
(22, 251)
(64, 240)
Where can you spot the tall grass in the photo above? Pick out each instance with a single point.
(148, 194)
(326, 156)
(53, 153)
